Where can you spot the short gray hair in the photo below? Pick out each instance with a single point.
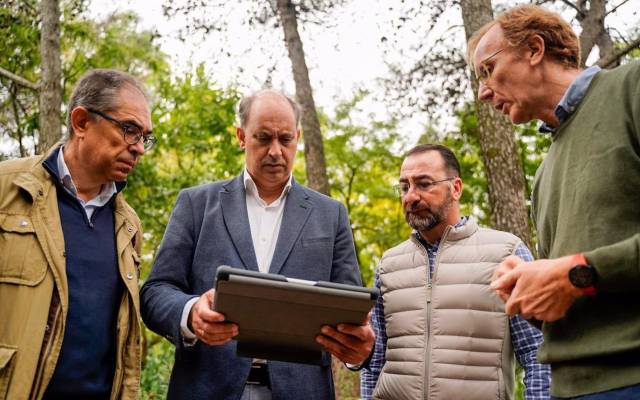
(98, 89)
(245, 105)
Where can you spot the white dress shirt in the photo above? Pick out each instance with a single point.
(264, 221)
(106, 191)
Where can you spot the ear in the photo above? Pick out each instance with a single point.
(457, 188)
(536, 49)
(80, 121)
(240, 134)
(297, 135)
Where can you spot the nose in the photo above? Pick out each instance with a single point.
(275, 150)
(411, 197)
(484, 92)
(138, 148)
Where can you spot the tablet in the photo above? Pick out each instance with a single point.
(279, 317)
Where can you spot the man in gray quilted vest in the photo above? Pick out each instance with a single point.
(441, 331)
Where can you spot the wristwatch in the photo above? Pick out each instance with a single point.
(583, 276)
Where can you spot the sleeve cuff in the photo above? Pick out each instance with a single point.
(188, 337)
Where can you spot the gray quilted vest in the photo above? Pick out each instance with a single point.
(448, 338)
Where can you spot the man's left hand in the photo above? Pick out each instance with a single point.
(538, 289)
(349, 343)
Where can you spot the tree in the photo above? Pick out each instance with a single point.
(275, 13)
(85, 44)
(591, 15)
(509, 211)
(313, 146)
(50, 127)
(49, 86)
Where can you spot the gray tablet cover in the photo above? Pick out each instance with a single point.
(279, 318)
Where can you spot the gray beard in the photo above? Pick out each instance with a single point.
(421, 224)
(437, 215)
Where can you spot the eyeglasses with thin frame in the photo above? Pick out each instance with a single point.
(421, 186)
(131, 133)
(484, 70)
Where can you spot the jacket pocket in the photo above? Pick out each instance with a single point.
(23, 261)
(317, 241)
(7, 353)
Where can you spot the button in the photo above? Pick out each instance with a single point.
(47, 328)
(129, 228)
(263, 239)
(40, 192)
(24, 223)
(129, 275)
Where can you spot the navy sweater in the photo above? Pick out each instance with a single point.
(86, 365)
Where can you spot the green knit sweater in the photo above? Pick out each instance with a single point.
(586, 198)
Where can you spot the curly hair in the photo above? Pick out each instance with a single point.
(520, 23)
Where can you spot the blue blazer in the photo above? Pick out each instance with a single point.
(209, 227)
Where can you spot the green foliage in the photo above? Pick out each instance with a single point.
(115, 42)
(156, 369)
(196, 144)
(363, 165)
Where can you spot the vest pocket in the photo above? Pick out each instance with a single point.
(22, 261)
(7, 354)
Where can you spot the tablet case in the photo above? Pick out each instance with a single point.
(280, 317)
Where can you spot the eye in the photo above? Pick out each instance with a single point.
(485, 72)
(285, 139)
(403, 188)
(263, 137)
(131, 129)
(423, 185)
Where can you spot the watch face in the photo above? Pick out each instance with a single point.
(582, 276)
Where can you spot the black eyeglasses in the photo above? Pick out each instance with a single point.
(131, 132)
(421, 186)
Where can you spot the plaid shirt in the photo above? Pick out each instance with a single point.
(524, 337)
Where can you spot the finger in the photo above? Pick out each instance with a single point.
(219, 333)
(210, 316)
(361, 332)
(512, 307)
(338, 350)
(505, 266)
(503, 294)
(338, 337)
(219, 328)
(507, 281)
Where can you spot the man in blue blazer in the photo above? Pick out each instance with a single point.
(264, 221)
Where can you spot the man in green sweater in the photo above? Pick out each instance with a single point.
(585, 200)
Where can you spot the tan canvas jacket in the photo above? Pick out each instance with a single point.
(33, 285)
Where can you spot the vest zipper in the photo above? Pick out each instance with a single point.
(428, 333)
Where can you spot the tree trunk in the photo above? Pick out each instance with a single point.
(313, 147)
(50, 127)
(594, 33)
(504, 171)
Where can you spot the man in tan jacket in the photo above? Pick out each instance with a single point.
(441, 331)
(69, 252)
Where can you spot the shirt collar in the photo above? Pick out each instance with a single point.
(106, 191)
(463, 220)
(572, 97)
(252, 190)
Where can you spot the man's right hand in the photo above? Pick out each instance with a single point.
(208, 325)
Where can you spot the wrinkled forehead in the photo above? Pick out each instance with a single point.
(491, 42)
